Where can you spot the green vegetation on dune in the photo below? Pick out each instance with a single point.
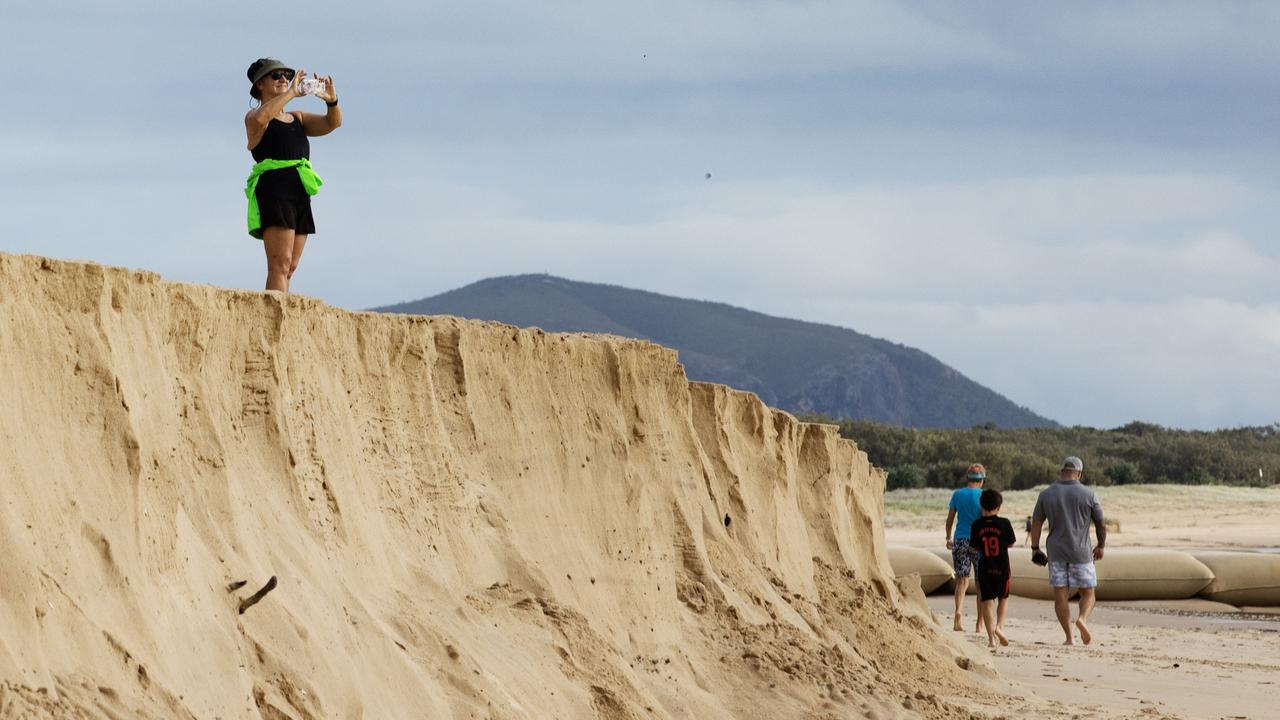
(1136, 453)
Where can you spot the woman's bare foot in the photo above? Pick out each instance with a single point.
(959, 623)
(1001, 637)
(1085, 635)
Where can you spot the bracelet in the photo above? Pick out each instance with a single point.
(331, 104)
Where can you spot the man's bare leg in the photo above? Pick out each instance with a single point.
(1087, 601)
(962, 586)
(1062, 608)
(1001, 610)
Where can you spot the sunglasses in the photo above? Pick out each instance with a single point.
(281, 75)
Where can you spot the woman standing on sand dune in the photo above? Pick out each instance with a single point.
(282, 182)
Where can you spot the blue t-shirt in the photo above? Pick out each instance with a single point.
(965, 502)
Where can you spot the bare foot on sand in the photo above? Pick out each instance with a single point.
(1085, 635)
(958, 626)
(1001, 637)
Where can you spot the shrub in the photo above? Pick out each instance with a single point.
(904, 477)
(1123, 473)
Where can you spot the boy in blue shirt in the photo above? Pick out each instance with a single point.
(965, 505)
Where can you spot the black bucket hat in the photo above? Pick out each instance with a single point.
(262, 66)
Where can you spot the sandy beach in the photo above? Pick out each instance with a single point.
(1186, 659)
(453, 519)
(1143, 663)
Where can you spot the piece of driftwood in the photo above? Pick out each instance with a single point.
(253, 599)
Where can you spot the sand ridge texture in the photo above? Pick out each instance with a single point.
(466, 520)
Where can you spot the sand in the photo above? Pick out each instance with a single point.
(1178, 517)
(465, 520)
(1165, 660)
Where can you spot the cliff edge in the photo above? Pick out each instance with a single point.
(465, 520)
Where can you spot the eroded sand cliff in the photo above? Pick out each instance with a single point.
(467, 520)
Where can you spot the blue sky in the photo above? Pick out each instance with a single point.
(1072, 203)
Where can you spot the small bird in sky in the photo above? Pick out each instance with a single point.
(708, 176)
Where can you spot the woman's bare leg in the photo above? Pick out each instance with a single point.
(299, 242)
(278, 243)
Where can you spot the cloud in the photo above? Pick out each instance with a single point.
(1133, 324)
(574, 41)
(1112, 237)
(1159, 279)
(1192, 362)
(934, 175)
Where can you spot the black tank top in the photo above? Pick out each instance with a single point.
(282, 141)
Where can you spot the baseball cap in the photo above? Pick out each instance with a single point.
(262, 66)
(1073, 463)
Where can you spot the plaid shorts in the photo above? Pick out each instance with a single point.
(1075, 575)
(963, 557)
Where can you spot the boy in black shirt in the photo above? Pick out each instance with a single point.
(992, 537)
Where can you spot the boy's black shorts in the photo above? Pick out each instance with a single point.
(993, 585)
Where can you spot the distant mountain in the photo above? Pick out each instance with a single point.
(798, 366)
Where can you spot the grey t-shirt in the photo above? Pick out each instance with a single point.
(1070, 509)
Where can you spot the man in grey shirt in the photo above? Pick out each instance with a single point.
(1070, 508)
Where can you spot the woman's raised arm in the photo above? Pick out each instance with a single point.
(316, 124)
(255, 123)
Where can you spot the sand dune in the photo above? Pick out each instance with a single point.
(466, 520)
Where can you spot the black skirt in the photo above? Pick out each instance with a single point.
(283, 202)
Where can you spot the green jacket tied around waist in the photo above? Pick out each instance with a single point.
(311, 182)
